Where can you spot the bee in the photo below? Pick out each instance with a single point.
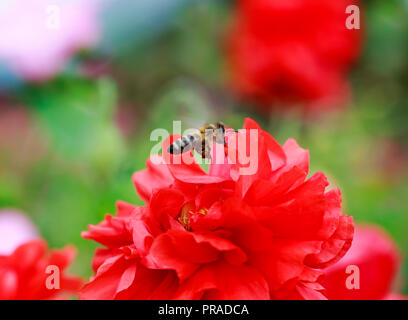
(200, 141)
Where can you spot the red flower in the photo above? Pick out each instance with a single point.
(296, 50)
(222, 235)
(23, 274)
(377, 259)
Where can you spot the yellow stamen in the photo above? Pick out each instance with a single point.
(186, 213)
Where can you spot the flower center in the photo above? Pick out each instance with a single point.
(186, 213)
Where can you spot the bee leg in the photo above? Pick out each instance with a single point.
(205, 150)
(207, 154)
(198, 151)
(197, 143)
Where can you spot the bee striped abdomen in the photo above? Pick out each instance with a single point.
(201, 141)
(182, 145)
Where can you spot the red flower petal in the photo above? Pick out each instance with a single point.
(224, 236)
(336, 247)
(106, 282)
(157, 175)
(23, 274)
(220, 281)
(8, 284)
(376, 256)
(184, 252)
(287, 177)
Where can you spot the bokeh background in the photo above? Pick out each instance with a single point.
(71, 138)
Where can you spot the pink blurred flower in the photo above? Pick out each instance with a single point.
(42, 35)
(377, 259)
(15, 229)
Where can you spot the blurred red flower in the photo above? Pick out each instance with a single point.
(222, 235)
(377, 259)
(23, 274)
(292, 50)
